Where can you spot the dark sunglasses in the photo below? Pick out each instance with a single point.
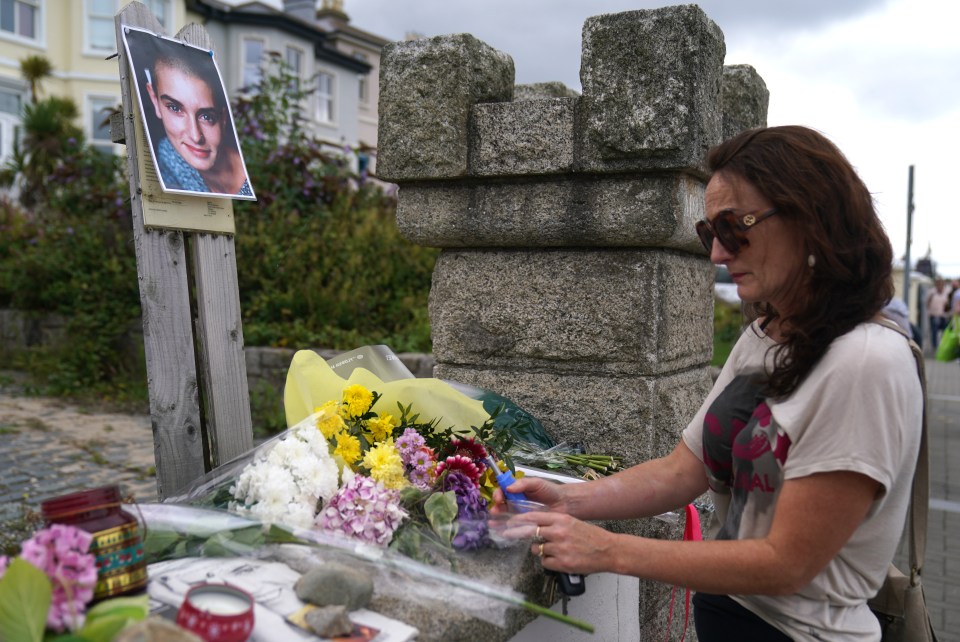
(730, 229)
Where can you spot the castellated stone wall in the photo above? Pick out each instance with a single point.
(571, 279)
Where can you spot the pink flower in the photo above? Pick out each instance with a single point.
(363, 509)
(462, 464)
(61, 552)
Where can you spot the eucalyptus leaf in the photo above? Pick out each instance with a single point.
(105, 628)
(157, 541)
(25, 594)
(441, 512)
(130, 606)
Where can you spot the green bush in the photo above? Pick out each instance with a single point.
(320, 260)
(71, 254)
(727, 326)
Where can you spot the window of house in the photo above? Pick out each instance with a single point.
(252, 57)
(325, 97)
(10, 102)
(100, 28)
(363, 82)
(99, 109)
(20, 18)
(9, 126)
(294, 60)
(163, 10)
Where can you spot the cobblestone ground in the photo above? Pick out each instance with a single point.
(49, 448)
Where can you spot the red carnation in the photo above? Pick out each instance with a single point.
(461, 464)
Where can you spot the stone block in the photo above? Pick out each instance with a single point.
(744, 100)
(615, 415)
(538, 90)
(612, 211)
(651, 89)
(608, 313)
(427, 90)
(528, 137)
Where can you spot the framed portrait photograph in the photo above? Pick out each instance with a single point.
(186, 117)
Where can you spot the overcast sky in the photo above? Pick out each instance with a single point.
(881, 78)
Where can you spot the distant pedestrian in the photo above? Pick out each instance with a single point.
(937, 303)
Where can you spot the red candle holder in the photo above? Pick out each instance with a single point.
(217, 613)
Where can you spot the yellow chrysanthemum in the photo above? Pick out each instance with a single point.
(356, 401)
(329, 422)
(385, 465)
(382, 427)
(348, 447)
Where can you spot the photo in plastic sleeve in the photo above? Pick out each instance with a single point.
(187, 118)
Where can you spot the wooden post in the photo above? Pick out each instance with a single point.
(190, 437)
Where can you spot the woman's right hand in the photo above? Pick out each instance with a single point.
(550, 494)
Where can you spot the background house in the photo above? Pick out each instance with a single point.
(77, 37)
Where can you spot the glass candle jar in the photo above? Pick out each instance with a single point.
(217, 613)
(117, 546)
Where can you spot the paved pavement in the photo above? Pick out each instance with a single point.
(48, 448)
(941, 573)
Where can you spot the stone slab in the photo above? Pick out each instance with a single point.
(622, 211)
(744, 100)
(636, 417)
(538, 90)
(601, 312)
(654, 103)
(427, 90)
(526, 137)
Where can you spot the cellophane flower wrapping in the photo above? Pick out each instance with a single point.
(392, 461)
(389, 469)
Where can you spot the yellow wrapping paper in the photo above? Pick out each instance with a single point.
(311, 383)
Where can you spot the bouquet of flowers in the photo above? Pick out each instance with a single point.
(386, 460)
(379, 466)
(384, 476)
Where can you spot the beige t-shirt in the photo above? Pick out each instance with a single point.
(860, 409)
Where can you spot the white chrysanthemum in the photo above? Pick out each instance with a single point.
(286, 484)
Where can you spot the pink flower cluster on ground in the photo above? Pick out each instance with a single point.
(61, 552)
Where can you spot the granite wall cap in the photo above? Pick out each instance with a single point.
(427, 90)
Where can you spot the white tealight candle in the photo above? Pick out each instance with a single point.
(219, 602)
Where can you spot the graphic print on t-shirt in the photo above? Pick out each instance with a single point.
(743, 450)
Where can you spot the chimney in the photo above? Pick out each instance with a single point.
(303, 9)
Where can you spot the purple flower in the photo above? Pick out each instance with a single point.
(408, 444)
(421, 479)
(472, 529)
(4, 562)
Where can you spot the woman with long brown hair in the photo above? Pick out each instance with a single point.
(808, 440)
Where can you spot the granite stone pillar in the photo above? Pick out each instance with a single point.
(571, 279)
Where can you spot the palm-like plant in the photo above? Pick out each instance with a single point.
(34, 69)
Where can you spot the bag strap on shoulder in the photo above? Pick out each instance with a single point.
(920, 491)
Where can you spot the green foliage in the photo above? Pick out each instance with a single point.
(35, 68)
(727, 326)
(320, 259)
(72, 255)
(25, 595)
